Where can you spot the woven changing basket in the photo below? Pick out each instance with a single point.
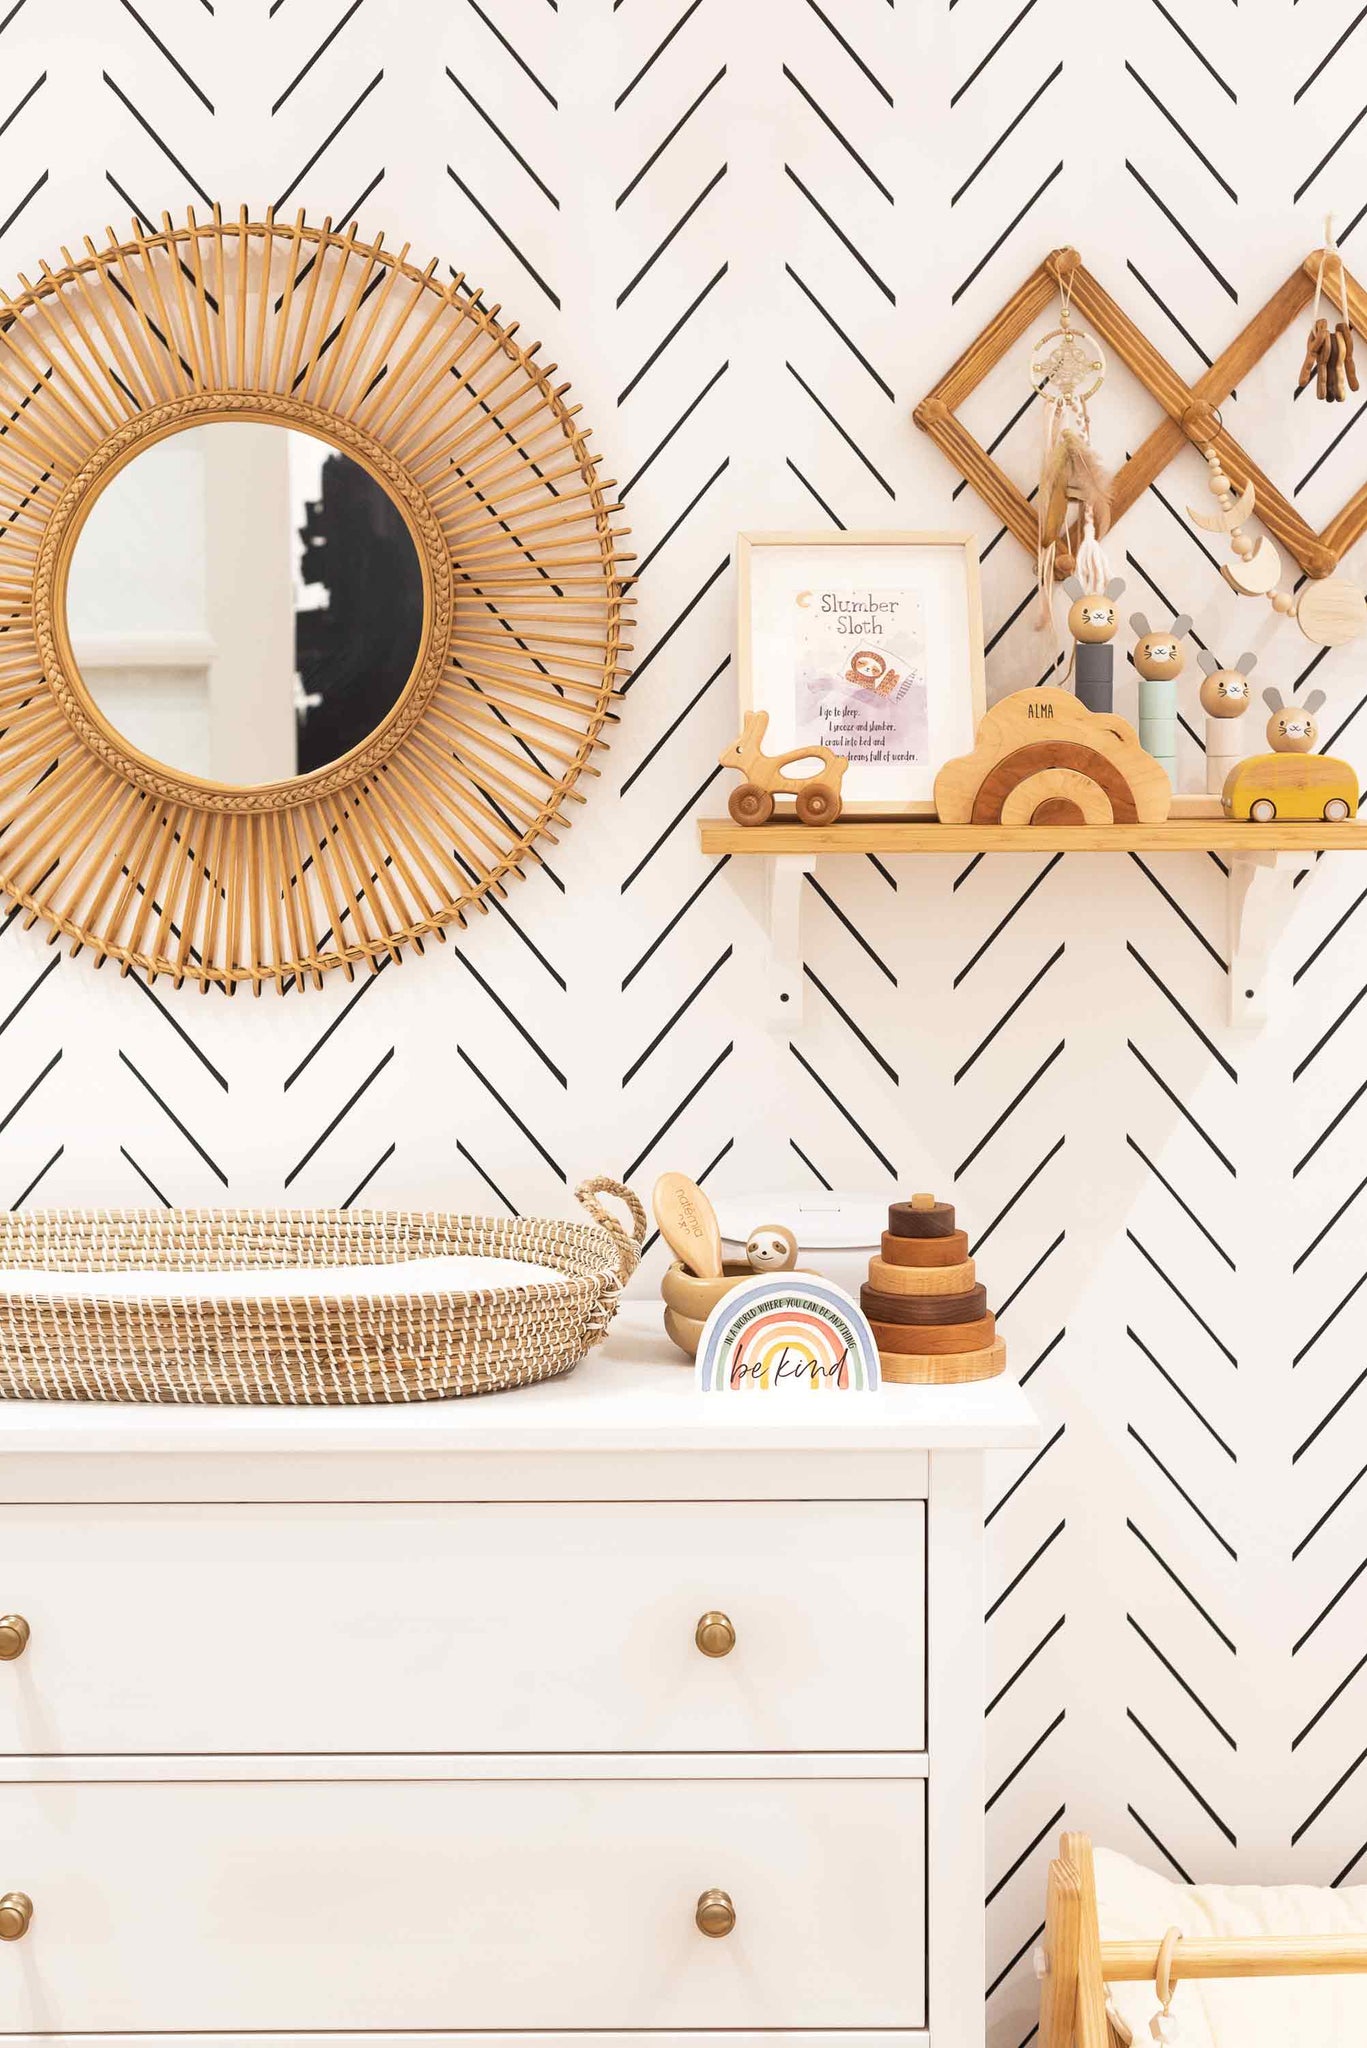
(420, 1345)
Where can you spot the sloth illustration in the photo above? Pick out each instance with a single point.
(869, 671)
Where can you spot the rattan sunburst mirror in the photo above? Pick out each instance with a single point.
(453, 458)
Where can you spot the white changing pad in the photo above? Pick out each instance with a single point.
(458, 1273)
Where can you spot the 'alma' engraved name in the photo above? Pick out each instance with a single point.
(1039, 710)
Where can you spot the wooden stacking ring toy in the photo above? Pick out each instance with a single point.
(926, 1309)
(888, 1279)
(922, 1216)
(936, 1341)
(904, 1368)
(923, 1308)
(925, 1251)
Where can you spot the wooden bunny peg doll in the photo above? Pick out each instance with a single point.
(1092, 620)
(1225, 696)
(1292, 729)
(1159, 659)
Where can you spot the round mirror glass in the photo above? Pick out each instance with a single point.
(244, 602)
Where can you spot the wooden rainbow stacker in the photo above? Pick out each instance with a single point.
(928, 1314)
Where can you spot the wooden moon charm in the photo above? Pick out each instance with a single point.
(1041, 758)
(424, 819)
(1226, 521)
(1257, 567)
(1256, 574)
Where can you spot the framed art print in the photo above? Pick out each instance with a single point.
(870, 644)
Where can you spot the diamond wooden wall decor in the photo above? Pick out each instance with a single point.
(1191, 411)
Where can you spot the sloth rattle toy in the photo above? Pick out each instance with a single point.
(771, 1249)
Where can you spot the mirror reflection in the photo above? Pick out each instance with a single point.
(244, 602)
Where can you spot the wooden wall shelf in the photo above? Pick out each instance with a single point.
(1263, 863)
(894, 835)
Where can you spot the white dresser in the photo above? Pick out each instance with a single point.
(598, 1708)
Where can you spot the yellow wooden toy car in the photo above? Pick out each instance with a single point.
(1291, 781)
(1290, 786)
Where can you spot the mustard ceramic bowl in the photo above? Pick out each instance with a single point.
(683, 1331)
(689, 1296)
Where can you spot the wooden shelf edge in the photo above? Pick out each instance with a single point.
(890, 835)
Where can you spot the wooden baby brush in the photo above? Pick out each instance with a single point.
(688, 1224)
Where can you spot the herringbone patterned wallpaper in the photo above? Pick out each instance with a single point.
(753, 232)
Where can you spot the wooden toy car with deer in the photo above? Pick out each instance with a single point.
(1292, 782)
(816, 795)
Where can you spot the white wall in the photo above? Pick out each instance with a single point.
(754, 235)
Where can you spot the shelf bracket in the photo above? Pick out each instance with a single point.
(1261, 884)
(788, 874)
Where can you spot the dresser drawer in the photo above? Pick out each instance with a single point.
(463, 1904)
(349, 1629)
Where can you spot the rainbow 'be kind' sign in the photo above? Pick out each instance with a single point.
(796, 1333)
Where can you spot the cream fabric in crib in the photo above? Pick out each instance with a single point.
(1135, 1904)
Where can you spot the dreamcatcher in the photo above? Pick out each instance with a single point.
(1067, 368)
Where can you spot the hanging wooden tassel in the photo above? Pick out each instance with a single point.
(1329, 352)
(1344, 334)
(1316, 363)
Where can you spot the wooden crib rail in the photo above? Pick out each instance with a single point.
(1074, 1964)
(1250, 1955)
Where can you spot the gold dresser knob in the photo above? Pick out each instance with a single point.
(13, 1638)
(715, 1914)
(715, 1634)
(16, 1910)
